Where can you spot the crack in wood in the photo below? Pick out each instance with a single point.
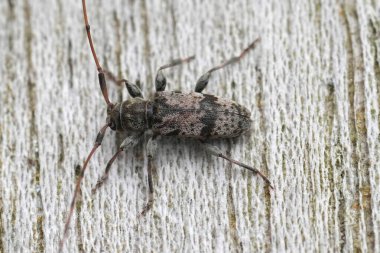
(358, 130)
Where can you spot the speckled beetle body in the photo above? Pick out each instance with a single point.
(191, 115)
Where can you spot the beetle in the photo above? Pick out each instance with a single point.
(190, 115)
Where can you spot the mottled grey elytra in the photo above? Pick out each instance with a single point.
(188, 115)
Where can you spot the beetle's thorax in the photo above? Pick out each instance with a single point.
(131, 115)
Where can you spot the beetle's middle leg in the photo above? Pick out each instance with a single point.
(151, 148)
(160, 81)
(213, 150)
(203, 80)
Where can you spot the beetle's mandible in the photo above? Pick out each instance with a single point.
(191, 115)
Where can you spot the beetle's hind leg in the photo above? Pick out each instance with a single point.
(212, 150)
(160, 81)
(151, 148)
(203, 80)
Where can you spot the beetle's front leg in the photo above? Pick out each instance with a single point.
(151, 149)
(132, 88)
(128, 142)
(212, 150)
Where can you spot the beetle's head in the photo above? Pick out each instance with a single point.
(113, 117)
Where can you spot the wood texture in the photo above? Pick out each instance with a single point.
(313, 86)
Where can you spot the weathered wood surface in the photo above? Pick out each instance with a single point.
(313, 86)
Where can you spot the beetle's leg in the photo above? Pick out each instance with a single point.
(212, 150)
(128, 142)
(112, 77)
(132, 88)
(160, 80)
(203, 80)
(151, 148)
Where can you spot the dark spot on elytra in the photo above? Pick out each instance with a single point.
(209, 106)
(206, 130)
(174, 132)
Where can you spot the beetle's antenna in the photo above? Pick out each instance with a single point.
(102, 80)
(98, 142)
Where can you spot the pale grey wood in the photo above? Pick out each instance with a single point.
(313, 86)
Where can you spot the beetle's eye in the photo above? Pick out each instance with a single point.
(112, 125)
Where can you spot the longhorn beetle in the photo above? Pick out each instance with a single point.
(192, 115)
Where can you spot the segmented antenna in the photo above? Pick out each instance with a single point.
(99, 138)
(98, 142)
(102, 79)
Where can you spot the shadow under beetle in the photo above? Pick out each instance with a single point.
(191, 115)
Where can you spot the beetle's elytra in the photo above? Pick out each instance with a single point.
(189, 115)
